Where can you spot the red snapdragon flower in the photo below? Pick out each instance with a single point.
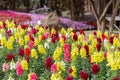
(27, 51)
(24, 26)
(43, 37)
(31, 44)
(82, 32)
(21, 52)
(98, 46)
(99, 40)
(70, 70)
(31, 37)
(87, 49)
(9, 33)
(84, 75)
(64, 37)
(79, 47)
(10, 56)
(104, 37)
(53, 40)
(69, 78)
(105, 54)
(27, 58)
(111, 39)
(55, 37)
(94, 33)
(95, 68)
(34, 31)
(75, 37)
(116, 78)
(48, 62)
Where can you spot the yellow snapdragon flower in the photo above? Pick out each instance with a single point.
(56, 76)
(116, 42)
(3, 41)
(83, 53)
(21, 41)
(21, 32)
(24, 64)
(16, 35)
(34, 53)
(69, 30)
(60, 66)
(97, 57)
(91, 49)
(91, 37)
(80, 37)
(40, 31)
(57, 53)
(113, 60)
(9, 45)
(106, 33)
(53, 31)
(99, 34)
(41, 49)
(94, 42)
(74, 53)
(12, 39)
(40, 38)
(1, 23)
(2, 31)
(36, 41)
(26, 38)
(74, 71)
(71, 34)
(61, 41)
(63, 31)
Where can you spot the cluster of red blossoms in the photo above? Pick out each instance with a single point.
(95, 69)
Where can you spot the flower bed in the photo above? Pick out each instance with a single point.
(35, 53)
(32, 19)
(18, 18)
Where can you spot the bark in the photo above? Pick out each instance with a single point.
(105, 10)
(114, 13)
(94, 10)
(101, 25)
(4, 2)
(100, 15)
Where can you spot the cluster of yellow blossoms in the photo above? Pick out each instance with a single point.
(22, 39)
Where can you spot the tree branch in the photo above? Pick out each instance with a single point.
(114, 13)
(1, 3)
(105, 10)
(94, 9)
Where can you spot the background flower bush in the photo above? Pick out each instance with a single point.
(36, 53)
(18, 18)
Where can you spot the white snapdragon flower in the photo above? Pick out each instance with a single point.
(10, 78)
(12, 65)
(39, 22)
(105, 41)
(46, 45)
(49, 40)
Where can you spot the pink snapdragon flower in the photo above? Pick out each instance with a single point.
(31, 44)
(19, 69)
(67, 54)
(5, 67)
(54, 68)
(32, 76)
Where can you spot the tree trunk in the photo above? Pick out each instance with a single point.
(42, 2)
(100, 12)
(101, 25)
(111, 24)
